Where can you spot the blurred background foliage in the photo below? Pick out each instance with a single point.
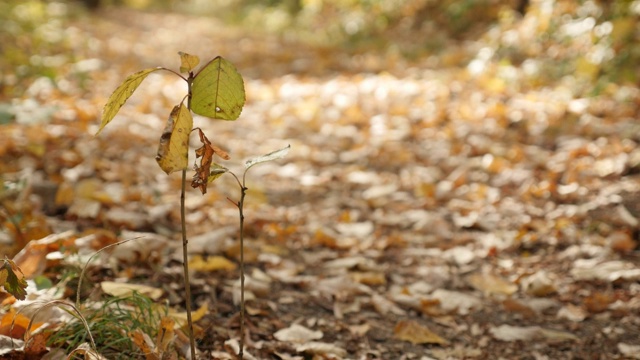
(595, 42)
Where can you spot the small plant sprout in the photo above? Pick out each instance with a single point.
(216, 91)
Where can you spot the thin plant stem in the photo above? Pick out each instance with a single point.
(240, 205)
(241, 213)
(187, 284)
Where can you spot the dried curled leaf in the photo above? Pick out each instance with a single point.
(174, 142)
(203, 172)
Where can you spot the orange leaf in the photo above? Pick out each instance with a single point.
(36, 345)
(166, 333)
(144, 343)
(15, 326)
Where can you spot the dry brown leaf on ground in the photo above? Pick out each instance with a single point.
(491, 284)
(415, 333)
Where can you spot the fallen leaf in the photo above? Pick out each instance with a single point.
(383, 306)
(595, 269)
(598, 302)
(512, 305)
(166, 333)
(369, 278)
(572, 313)
(181, 317)
(527, 333)
(124, 289)
(13, 325)
(491, 284)
(315, 347)
(413, 332)
(297, 333)
(539, 284)
(144, 343)
(211, 263)
(514, 333)
(454, 301)
(36, 344)
(629, 350)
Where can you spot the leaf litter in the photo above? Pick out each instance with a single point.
(421, 211)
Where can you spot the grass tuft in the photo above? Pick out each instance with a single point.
(110, 322)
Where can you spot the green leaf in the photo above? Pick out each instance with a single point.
(217, 91)
(174, 143)
(188, 62)
(217, 170)
(14, 283)
(278, 154)
(42, 282)
(121, 95)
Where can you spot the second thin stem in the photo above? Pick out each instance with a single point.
(185, 258)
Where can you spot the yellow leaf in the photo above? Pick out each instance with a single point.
(121, 95)
(174, 142)
(211, 263)
(181, 318)
(166, 333)
(491, 284)
(188, 62)
(123, 289)
(411, 331)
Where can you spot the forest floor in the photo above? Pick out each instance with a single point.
(422, 212)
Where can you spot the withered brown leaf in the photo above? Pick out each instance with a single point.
(206, 152)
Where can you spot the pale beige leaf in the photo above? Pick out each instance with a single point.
(123, 289)
(297, 333)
